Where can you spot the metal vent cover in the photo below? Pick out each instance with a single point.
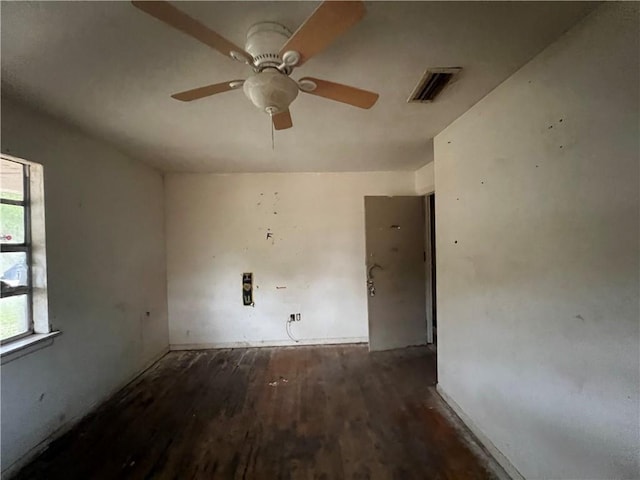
(432, 83)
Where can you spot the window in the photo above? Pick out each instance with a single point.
(15, 257)
(23, 302)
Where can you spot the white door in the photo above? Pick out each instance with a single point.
(395, 232)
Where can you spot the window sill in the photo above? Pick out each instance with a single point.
(26, 345)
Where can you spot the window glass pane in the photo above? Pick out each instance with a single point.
(11, 180)
(11, 223)
(14, 316)
(13, 269)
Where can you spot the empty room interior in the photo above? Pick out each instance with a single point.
(320, 240)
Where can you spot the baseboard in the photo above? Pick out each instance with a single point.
(488, 445)
(73, 421)
(267, 343)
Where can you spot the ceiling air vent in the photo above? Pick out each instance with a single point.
(432, 83)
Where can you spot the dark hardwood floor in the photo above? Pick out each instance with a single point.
(271, 413)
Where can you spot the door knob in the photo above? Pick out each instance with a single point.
(370, 271)
(370, 285)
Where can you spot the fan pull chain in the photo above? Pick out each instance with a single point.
(273, 147)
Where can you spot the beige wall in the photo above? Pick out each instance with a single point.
(425, 181)
(216, 229)
(106, 269)
(537, 256)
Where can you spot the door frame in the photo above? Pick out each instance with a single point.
(429, 265)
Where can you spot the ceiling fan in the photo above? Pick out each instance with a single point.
(273, 52)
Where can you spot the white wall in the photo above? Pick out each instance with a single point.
(537, 221)
(106, 269)
(216, 229)
(425, 181)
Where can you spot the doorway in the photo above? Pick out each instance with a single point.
(430, 268)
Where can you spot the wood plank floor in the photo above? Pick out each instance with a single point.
(334, 412)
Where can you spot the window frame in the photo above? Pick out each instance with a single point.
(25, 247)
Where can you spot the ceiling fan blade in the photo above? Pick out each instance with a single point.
(282, 120)
(170, 15)
(330, 20)
(205, 91)
(341, 93)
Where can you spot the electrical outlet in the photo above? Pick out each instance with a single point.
(297, 317)
(292, 317)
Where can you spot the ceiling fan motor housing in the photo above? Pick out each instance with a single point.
(264, 41)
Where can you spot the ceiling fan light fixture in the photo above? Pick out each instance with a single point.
(270, 91)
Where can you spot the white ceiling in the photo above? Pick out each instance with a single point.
(109, 69)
